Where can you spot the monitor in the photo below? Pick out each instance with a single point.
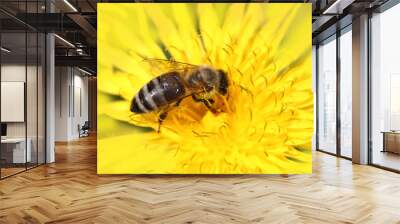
(3, 129)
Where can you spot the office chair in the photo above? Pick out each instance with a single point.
(84, 130)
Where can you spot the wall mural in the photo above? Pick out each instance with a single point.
(221, 88)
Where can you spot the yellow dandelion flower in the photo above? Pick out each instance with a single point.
(265, 123)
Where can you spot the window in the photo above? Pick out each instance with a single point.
(385, 89)
(346, 92)
(327, 95)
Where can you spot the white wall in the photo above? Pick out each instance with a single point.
(12, 73)
(71, 94)
(62, 81)
(80, 110)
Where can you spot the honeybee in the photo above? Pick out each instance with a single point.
(200, 82)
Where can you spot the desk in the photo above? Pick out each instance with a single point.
(391, 141)
(18, 149)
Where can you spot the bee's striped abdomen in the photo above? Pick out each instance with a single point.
(157, 93)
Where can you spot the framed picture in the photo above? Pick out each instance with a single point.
(204, 88)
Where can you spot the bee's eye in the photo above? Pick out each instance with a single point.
(223, 90)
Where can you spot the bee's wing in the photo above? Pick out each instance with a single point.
(163, 65)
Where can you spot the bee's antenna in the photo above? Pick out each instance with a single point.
(143, 57)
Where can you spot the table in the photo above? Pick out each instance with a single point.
(18, 150)
(391, 141)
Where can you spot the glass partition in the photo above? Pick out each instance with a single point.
(13, 94)
(23, 89)
(32, 103)
(41, 97)
(31, 99)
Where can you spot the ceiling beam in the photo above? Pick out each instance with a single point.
(320, 22)
(83, 61)
(49, 22)
(85, 25)
(337, 6)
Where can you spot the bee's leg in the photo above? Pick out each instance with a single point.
(161, 118)
(207, 102)
(208, 105)
(197, 98)
(178, 102)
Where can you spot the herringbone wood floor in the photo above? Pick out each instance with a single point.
(69, 191)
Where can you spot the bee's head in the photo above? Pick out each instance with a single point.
(210, 80)
(223, 82)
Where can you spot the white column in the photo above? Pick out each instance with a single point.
(50, 92)
(50, 99)
(360, 90)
